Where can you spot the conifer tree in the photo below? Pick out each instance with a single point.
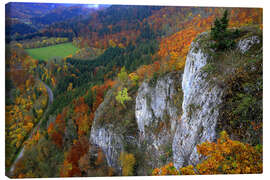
(220, 34)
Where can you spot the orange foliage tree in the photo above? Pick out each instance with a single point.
(82, 119)
(177, 44)
(70, 166)
(56, 130)
(223, 157)
(99, 91)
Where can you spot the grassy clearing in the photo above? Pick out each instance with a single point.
(47, 53)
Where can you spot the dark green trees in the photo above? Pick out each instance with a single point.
(221, 35)
(220, 27)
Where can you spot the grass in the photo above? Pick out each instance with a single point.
(47, 53)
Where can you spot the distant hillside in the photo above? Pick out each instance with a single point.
(119, 24)
(26, 18)
(29, 10)
(59, 14)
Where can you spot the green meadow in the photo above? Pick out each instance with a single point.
(47, 53)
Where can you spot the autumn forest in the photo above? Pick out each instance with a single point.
(100, 90)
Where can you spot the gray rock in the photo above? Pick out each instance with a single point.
(110, 143)
(245, 44)
(157, 115)
(175, 113)
(105, 135)
(152, 103)
(200, 112)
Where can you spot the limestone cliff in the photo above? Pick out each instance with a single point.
(171, 114)
(144, 127)
(157, 113)
(205, 89)
(200, 112)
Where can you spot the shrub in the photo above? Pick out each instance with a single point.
(122, 96)
(209, 68)
(123, 75)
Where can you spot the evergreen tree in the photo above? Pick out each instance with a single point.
(220, 34)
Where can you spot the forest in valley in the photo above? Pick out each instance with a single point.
(74, 70)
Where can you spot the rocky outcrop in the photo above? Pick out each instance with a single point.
(153, 113)
(168, 115)
(156, 104)
(157, 111)
(203, 97)
(106, 136)
(245, 44)
(110, 143)
(200, 109)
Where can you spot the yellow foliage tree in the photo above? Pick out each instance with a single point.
(127, 162)
(70, 85)
(134, 78)
(229, 157)
(112, 43)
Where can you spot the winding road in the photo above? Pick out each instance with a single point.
(21, 152)
(49, 91)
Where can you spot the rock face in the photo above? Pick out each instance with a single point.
(106, 136)
(169, 115)
(110, 143)
(245, 44)
(157, 114)
(154, 111)
(200, 109)
(156, 104)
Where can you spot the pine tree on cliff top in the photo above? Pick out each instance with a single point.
(220, 34)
